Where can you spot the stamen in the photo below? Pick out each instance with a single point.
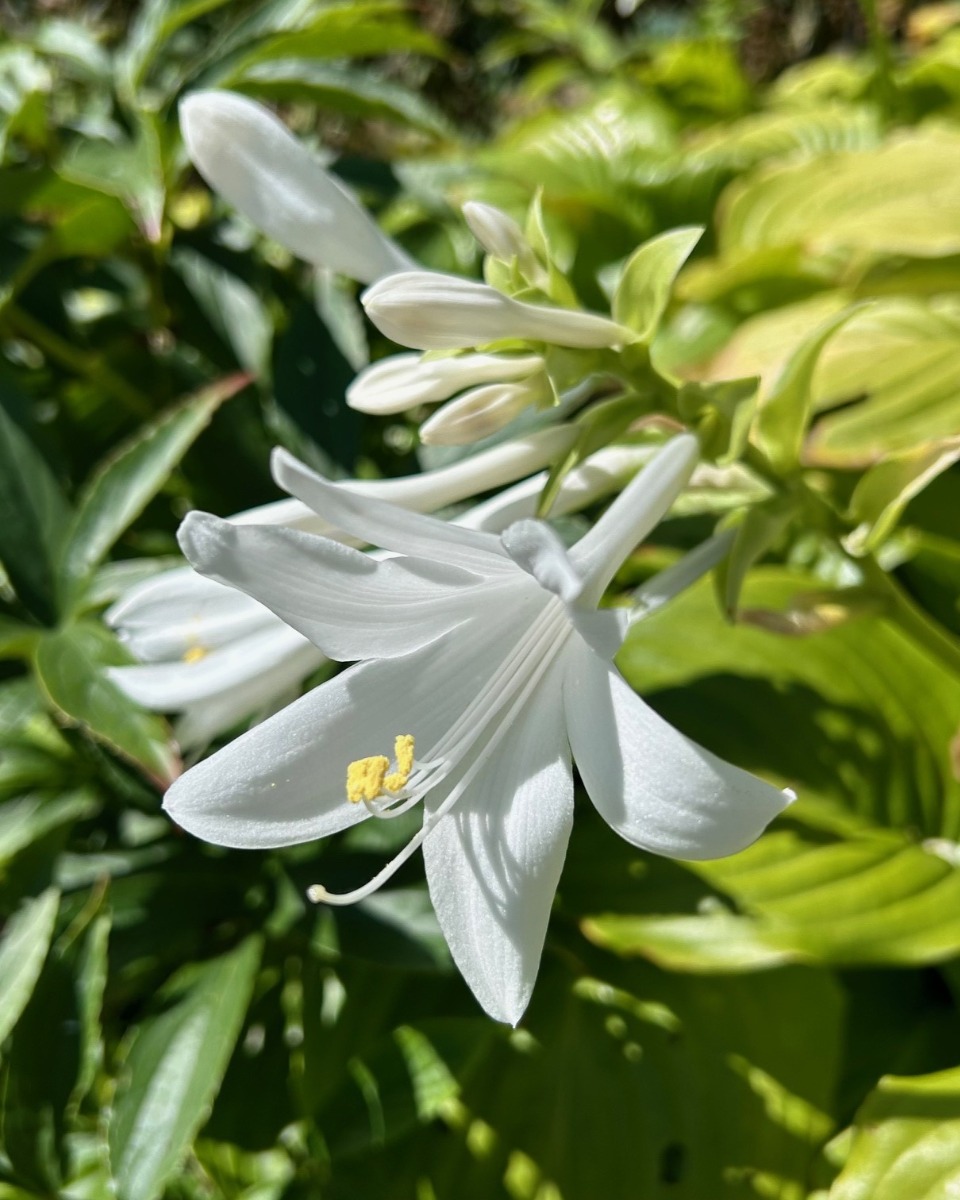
(194, 654)
(318, 893)
(365, 778)
(403, 756)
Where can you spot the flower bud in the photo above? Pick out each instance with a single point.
(252, 160)
(480, 412)
(404, 380)
(497, 233)
(431, 311)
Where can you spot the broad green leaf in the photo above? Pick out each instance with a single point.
(72, 667)
(172, 1073)
(123, 486)
(883, 492)
(896, 199)
(859, 715)
(905, 1140)
(26, 819)
(343, 89)
(23, 947)
(644, 288)
(784, 413)
(33, 513)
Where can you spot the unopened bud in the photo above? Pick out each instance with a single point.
(404, 380)
(480, 412)
(431, 311)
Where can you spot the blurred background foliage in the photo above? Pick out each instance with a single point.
(175, 1020)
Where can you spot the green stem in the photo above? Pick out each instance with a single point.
(911, 618)
(81, 362)
(882, 57)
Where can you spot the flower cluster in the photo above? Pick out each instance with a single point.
(483, 658)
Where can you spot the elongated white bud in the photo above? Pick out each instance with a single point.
(404, 380)
(253, 161)
(496, 232)
(431, 311)
(480, 412)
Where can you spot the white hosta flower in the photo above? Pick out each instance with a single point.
(403, 381)
(485, 670)
(254, 162)
(482, 411)
(428, 310)
(215, 656)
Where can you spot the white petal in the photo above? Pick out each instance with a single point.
(385, 525)
(347, 603)
(252, 160)
(655, 787)
(431, 311)
(397, 383)
(637, 509)
(173, 686)
(284, 781)
(536, 549)
(180, 611)
(497, 232)
(493, 863)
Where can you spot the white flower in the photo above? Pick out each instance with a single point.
(428, 310)
(485, 668)
(252, 160)
(404, 380)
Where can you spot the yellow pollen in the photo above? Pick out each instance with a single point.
(367, 778)
(194, 654)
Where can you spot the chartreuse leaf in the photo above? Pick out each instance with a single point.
(172, 1073)
(883, 492)
(23, 947)
(644, 288)
(896, 199)
(905, 1140)
(784, 413)
(860, 724)
(122, 486)
(33, 513)
(72, 666)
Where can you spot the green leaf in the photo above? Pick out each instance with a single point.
(72, 669)
(26, 819)
(155, 22)
(123, 485)
(343, 89)
(172, 1073)
(231, 306)
(905, 1141)
(784, 413)
(896, 199)
(644, 288)
(23, 947)
(33, 513)
(757, 531)
(720, 414)
(883, 492)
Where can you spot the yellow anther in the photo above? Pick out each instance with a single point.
(194, 654)
(367, 778)
(403, 757)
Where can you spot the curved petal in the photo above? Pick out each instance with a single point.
(638, 508)
(655, 787)
(252, 160)
(347, 603)
(180, 611)
(174, 686)
(284, 781)
(493, 863)
(383, 524)
(536, 549)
